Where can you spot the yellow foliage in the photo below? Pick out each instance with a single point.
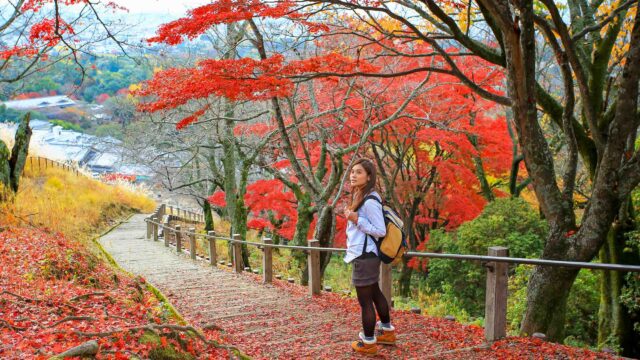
(74, 205)
(53, 184)
(390, 25)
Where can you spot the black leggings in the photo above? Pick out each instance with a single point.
(367, 297)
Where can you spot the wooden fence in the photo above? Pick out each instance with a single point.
(40, 163)
(496, 262)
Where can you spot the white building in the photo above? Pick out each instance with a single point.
(100, 155)
(61, 102)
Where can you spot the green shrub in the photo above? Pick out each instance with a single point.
(504, 222)
(514, 224)
(630, 296)
(66, 125)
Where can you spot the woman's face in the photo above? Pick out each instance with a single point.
(358, 176)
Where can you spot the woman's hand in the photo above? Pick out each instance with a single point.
(351, 215)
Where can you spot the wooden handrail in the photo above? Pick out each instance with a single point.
(496, 262)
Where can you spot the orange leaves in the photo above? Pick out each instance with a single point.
(237, 79)
(45, 33)
(49, 31)
(243, 79)
(191, 118)
(52, 288)
(200, 19)
(328, 63)
(217, 199)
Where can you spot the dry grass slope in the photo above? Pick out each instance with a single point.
(74, 205)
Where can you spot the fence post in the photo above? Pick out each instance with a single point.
(165, 233)
(148, 229)
(386, 282)
(170, 210)
(155, 228)
(192, 243)
(495, 312)
(267, 261)
(237, 254)
(212, 248)
(178, 239)
(314, 268)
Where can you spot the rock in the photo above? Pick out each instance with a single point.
(540, 336)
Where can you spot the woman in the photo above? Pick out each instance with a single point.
(366, 222)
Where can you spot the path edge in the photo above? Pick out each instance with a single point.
(155, 291)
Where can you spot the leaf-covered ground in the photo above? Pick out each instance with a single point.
(281, 321)
(55, 295)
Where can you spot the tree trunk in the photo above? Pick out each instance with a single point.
(5, 172)
(305, 217)
(405, 279)
(19, 152)
(325, 232)
(485, 187)
(12, 163)
(229, 163)
(407, 272)
(615, 325)
(208, 216)
(241, 212)
(547, 295)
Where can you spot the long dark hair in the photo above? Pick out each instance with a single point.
(359, 193)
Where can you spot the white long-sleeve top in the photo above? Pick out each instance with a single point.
(370, 221)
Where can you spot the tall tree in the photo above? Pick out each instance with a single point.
(598, 116)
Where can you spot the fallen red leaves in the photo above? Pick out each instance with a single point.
(55, 295)
(421, 336)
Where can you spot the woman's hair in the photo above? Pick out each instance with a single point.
(359, 193)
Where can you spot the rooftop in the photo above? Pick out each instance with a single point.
(39, 103)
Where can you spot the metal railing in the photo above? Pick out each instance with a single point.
(496, 262)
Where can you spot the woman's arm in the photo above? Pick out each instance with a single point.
(372, 220)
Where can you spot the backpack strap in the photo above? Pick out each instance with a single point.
(372, 197)
(366, 238)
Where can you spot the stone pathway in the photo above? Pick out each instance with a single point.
(273, 321)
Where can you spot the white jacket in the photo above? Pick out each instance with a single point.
(370, 221)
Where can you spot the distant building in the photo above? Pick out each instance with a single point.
(100, 155)
(61, 102)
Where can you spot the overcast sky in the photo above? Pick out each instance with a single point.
(173, 7)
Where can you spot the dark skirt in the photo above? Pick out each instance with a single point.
(366, 270)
